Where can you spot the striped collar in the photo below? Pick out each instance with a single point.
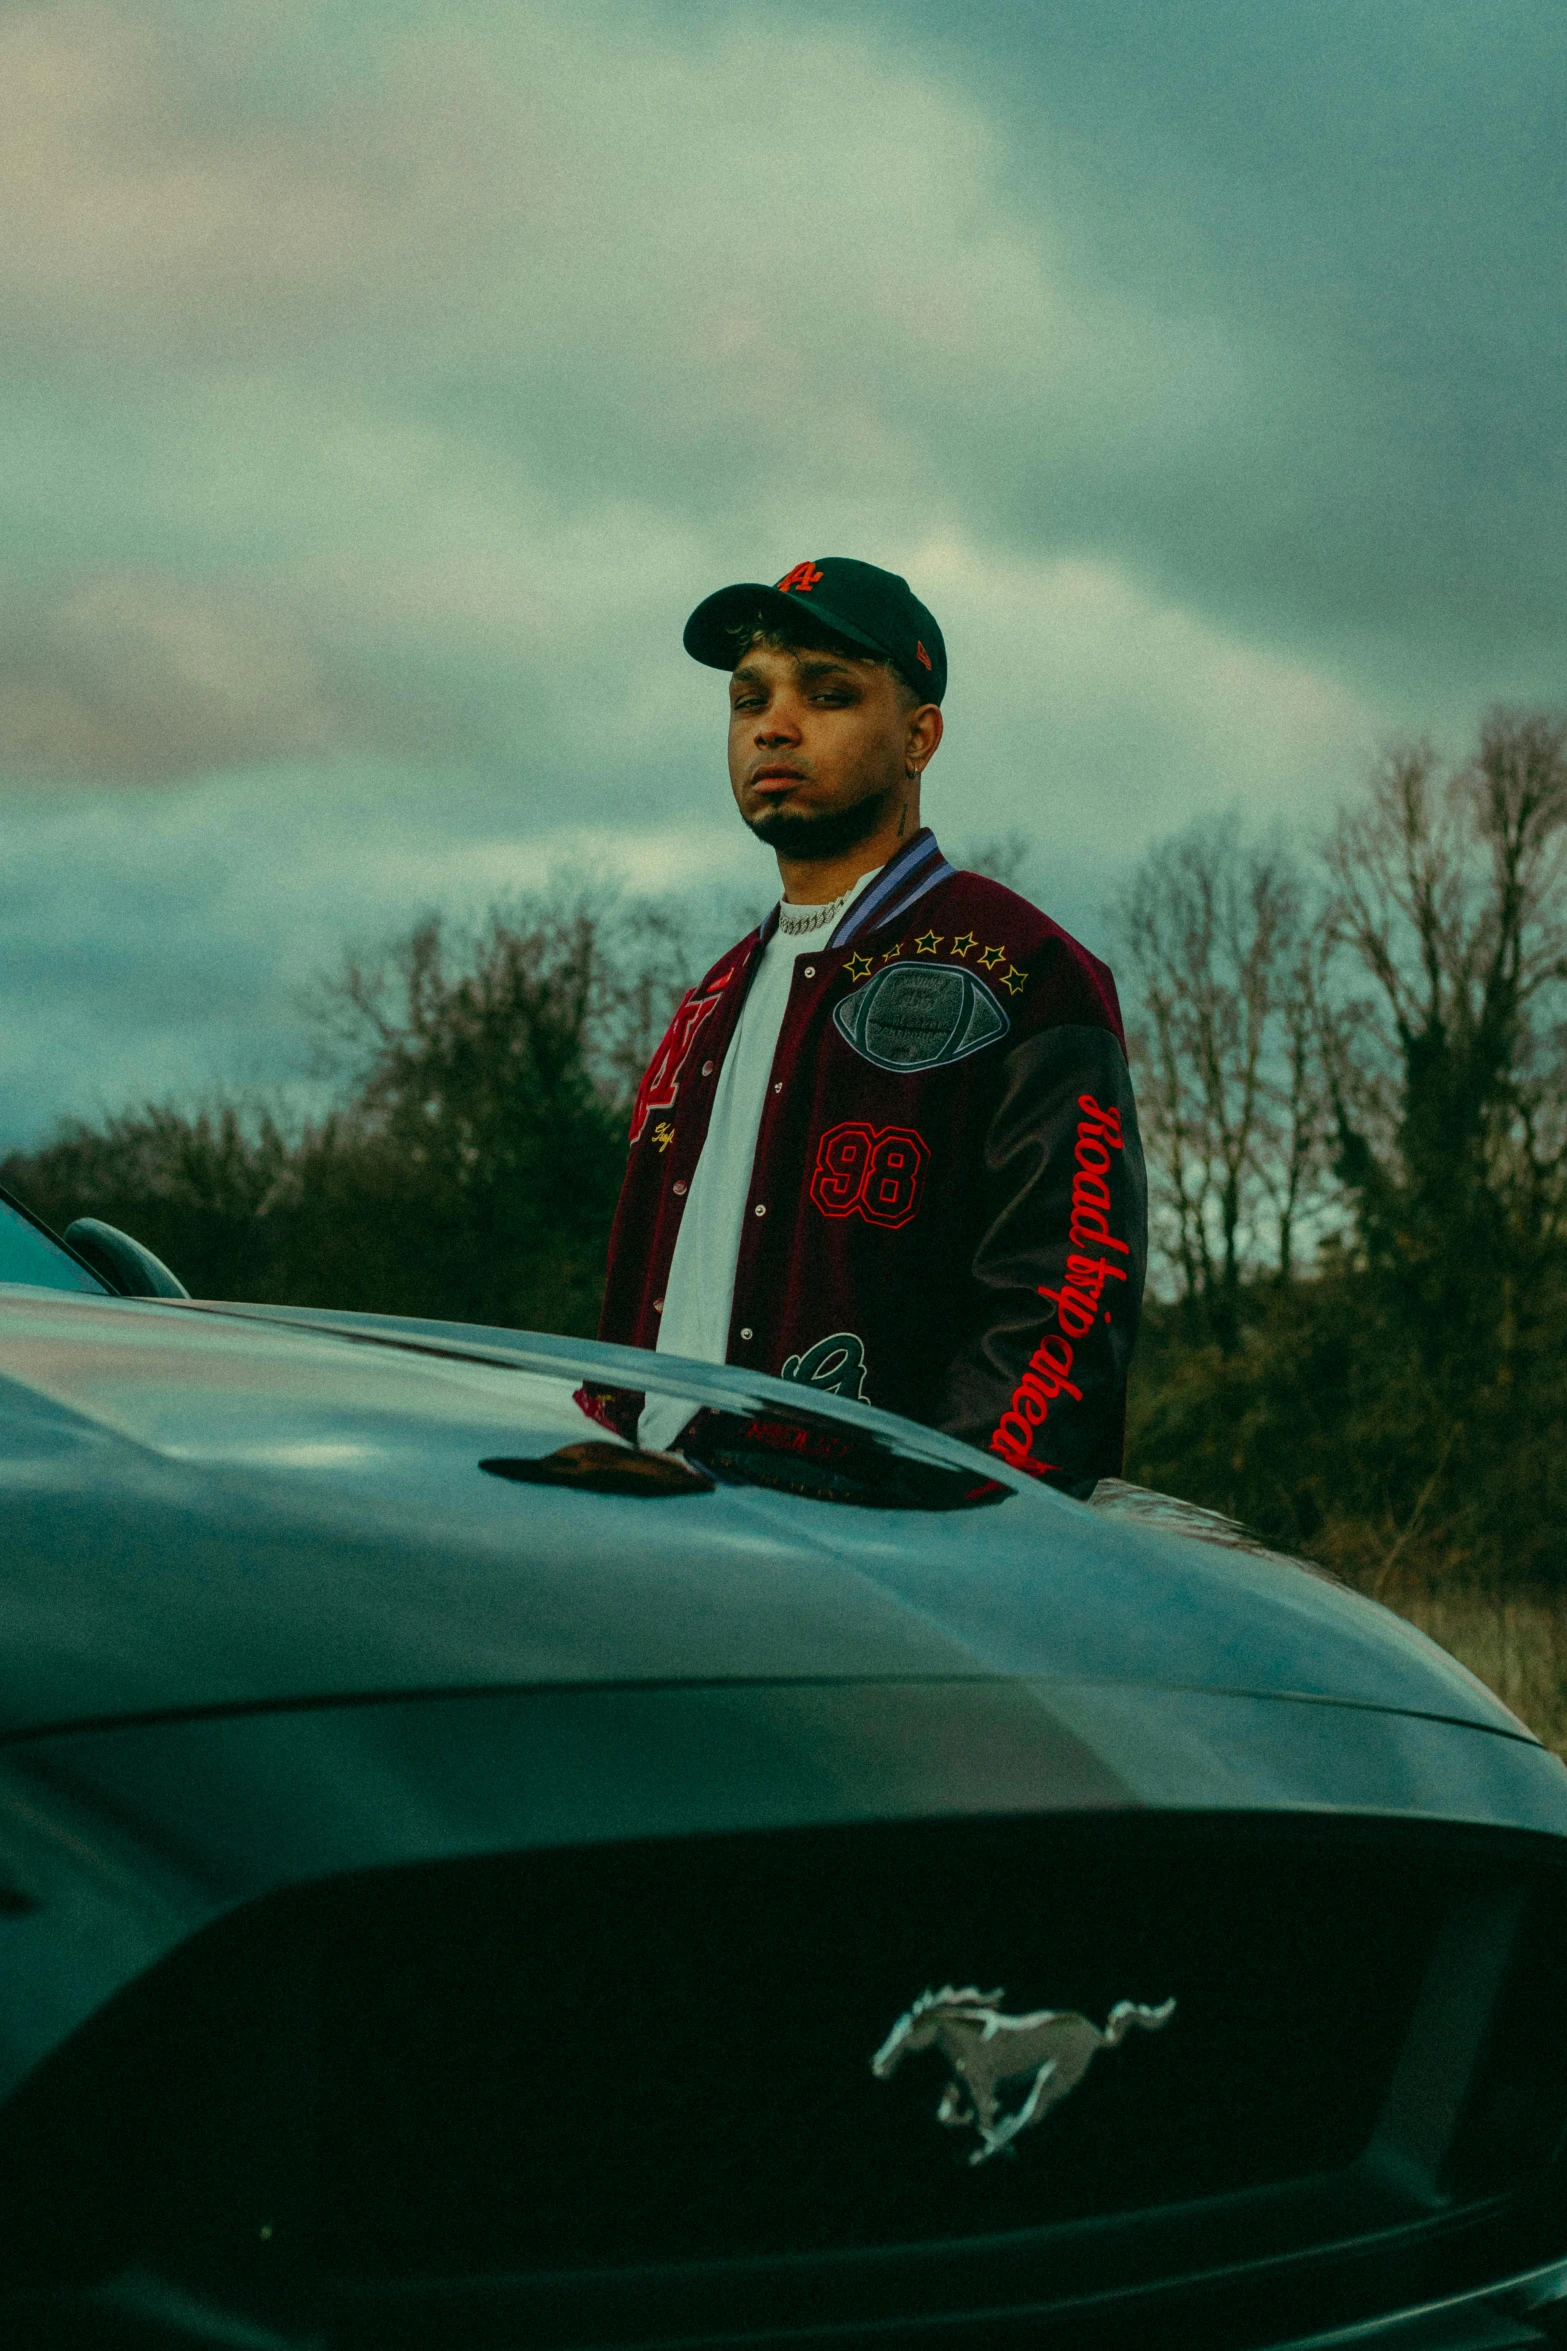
(917, 867)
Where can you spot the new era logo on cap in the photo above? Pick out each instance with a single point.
(859, 602)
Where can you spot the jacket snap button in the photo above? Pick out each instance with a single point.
(810, 971)
(680, 1183)
(778, 1085)
(747, 1334)
(761, 1208)
(658, 1306)
(707, 1069)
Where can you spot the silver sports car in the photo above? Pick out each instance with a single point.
(465, 1881)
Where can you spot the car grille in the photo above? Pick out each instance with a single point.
(639, 2075)
(664, 2052)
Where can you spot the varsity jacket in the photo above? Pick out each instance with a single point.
(947, 1213)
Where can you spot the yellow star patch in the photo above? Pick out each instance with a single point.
(991, 956)
(1012, 979)
(962, 946)
(892, 951)
(927, 942)
(858, 968)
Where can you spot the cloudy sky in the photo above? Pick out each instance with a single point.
(384, 383)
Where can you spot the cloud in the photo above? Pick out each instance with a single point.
(384, 383)
(1095, 712)
(147, 187)
(164, 945)
(443, 386)
(129, 677)
(560, 199)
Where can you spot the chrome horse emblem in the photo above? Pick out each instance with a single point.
(1007, 2071)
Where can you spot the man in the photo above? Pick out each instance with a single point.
(887, 1146)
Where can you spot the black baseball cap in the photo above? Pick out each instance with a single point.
(857, 601)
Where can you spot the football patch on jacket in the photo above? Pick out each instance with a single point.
(921, 1016)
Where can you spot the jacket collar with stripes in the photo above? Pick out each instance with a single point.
(905, 878)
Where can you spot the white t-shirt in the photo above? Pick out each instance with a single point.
(699, 1294)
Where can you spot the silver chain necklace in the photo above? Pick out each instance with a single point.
(794, 927)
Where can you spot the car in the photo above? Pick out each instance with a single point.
(465, 1881)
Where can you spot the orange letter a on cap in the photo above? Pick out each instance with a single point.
(801, 580)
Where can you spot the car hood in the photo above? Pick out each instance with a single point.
(230, 1508)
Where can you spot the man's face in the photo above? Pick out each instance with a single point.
(818, 744)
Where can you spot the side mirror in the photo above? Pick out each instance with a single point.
(123, 1263)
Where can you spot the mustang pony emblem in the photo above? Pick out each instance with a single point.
(1038, 2059)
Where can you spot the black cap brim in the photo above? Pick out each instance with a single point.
(709, 632)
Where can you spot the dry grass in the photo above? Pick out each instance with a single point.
(1515, 1641)
(1512, 1635)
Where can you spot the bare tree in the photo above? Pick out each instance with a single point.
(1293, 1163)
(1004, 857)
(1450, 900)
(596, 972)
(1222, 964)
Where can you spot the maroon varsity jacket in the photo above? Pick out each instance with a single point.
(948, 1212)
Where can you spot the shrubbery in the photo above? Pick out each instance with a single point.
(472, 1170)
(1367, 1056)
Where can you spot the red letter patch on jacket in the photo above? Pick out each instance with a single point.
(874, 1172)
(1046, 1377)
(661, 1079)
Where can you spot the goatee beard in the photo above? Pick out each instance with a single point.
(810, 838)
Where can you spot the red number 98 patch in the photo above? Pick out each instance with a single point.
(874, 1172)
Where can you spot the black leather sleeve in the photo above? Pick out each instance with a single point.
(1058, 1265)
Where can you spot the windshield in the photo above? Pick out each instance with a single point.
(27, 1254)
